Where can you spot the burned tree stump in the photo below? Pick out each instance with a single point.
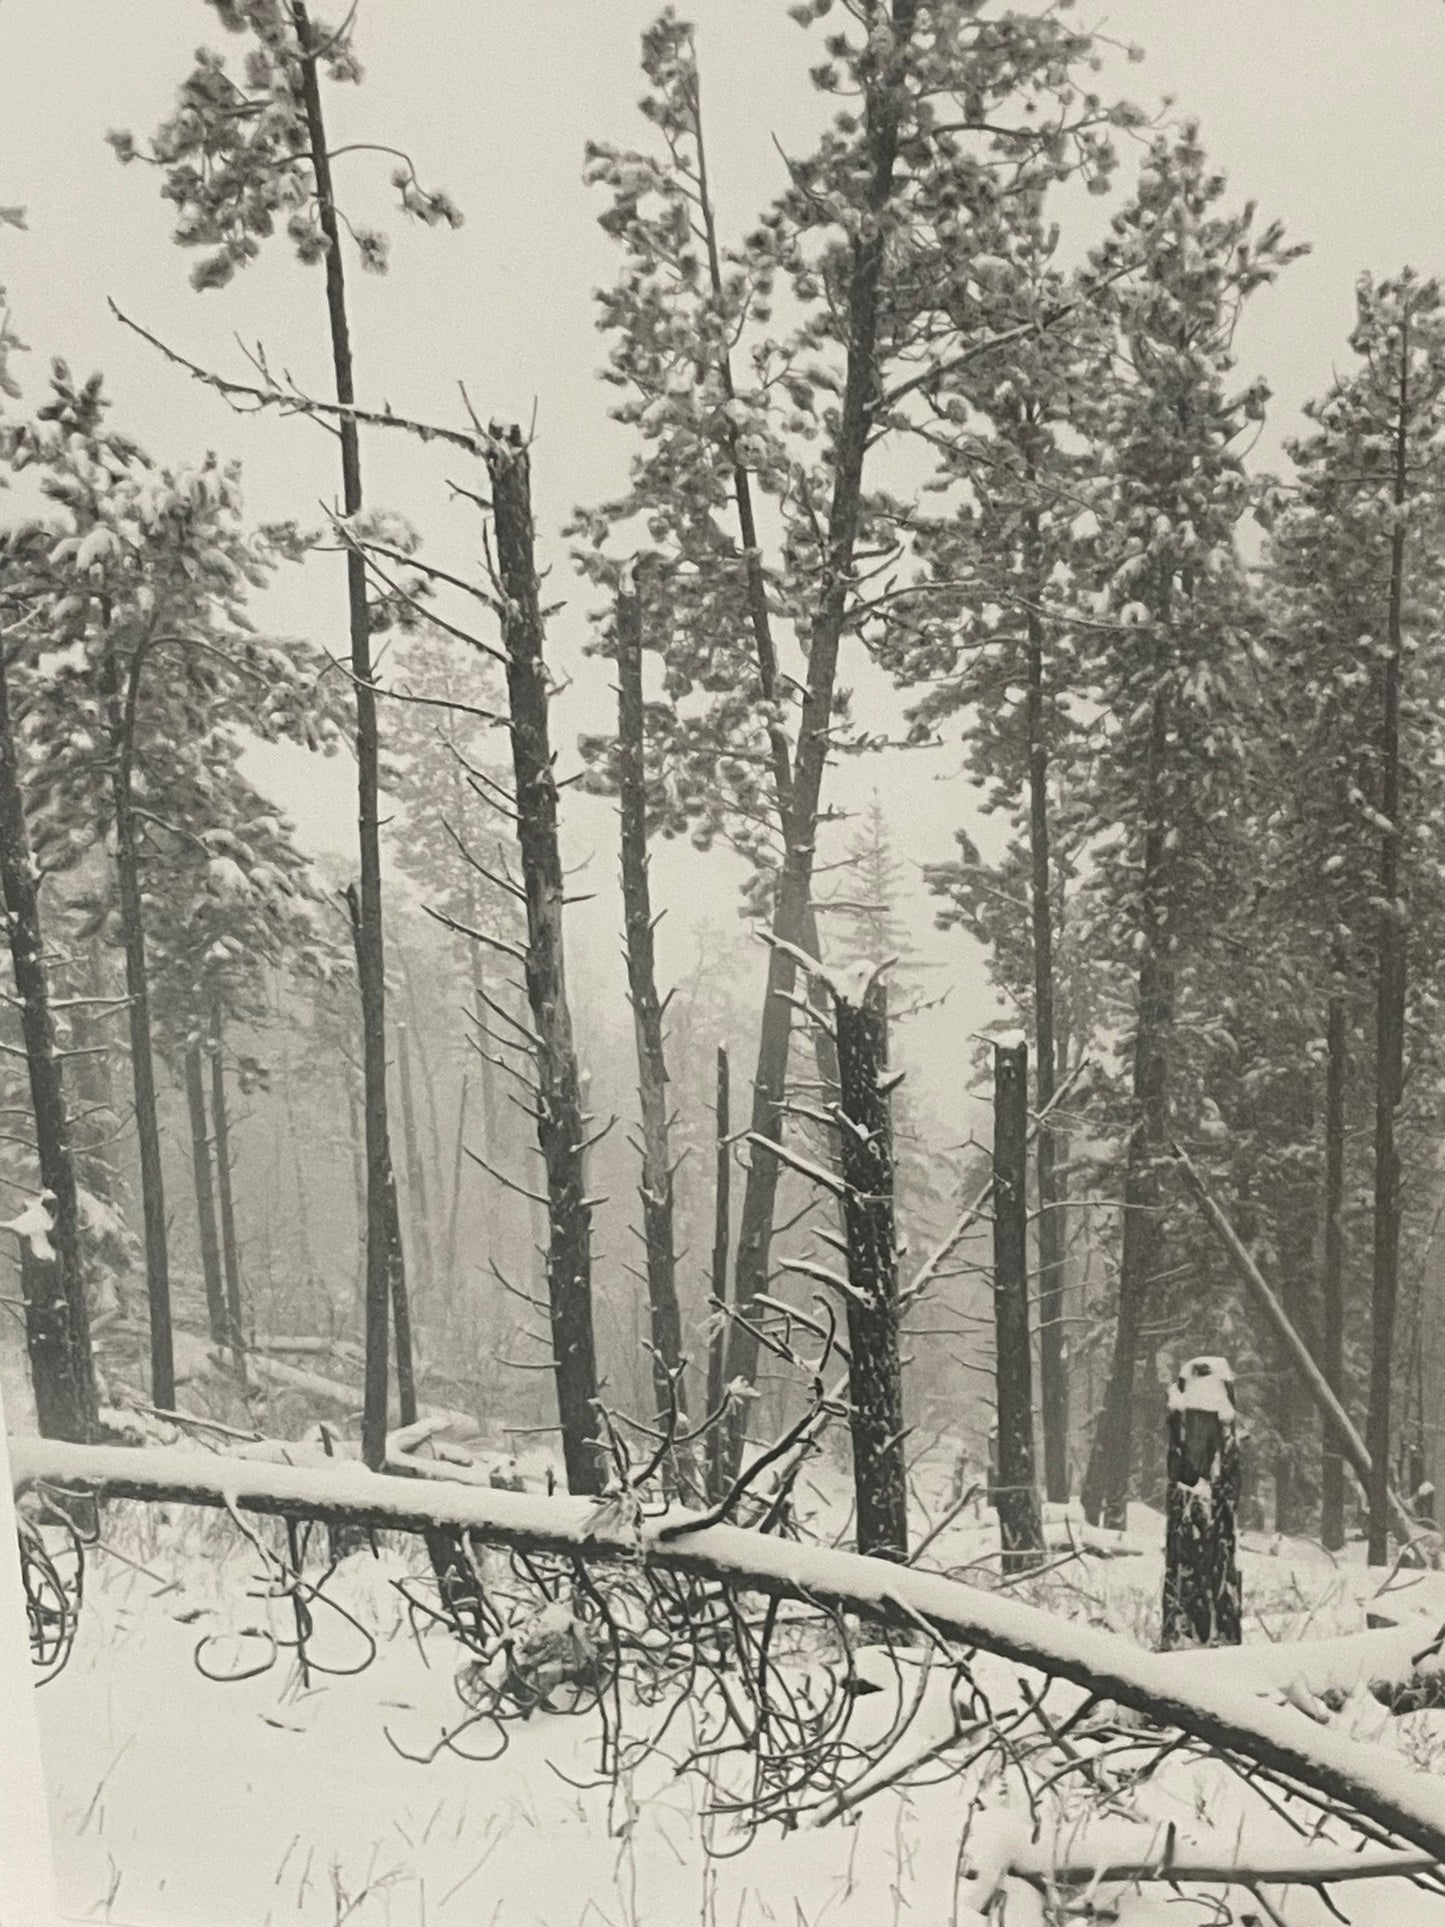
(1201, 1561)
(875, 1374)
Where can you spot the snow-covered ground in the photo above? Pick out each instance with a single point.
(178, 1801)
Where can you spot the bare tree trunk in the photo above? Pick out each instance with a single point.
(449, 1273)
(652, 1080)
(57, 1317)
(1332, 1476)
(1053, 1366)
(205, 1197)
(875, 1371)
(1020, 1522)
(383, 1233)
(230, 1247)
(1106, 1481)
(561, 1125)
(417, 1193)
(800, 809)
(718, 1297)
(123, 702)
(1389, 1014)
(1201, 1562)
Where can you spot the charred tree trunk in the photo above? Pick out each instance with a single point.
(385, 1276)
(225, 1199)
(1106, 1482)
(800, 805)
(1389, 1012)
(875, 1370)
(1053, 1366)
(57, 1317)
(561, 1125)
(123, 702)
(1201, 1563)
(652, 1080)
(210, 1244)
(1332, 1475)
(1016, 1493)
(718, 1297)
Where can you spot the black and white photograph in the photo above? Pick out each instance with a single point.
(722, 1003)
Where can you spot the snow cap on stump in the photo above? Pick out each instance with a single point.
(1204, 1385)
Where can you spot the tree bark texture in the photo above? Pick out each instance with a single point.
(718, 1297)
(383, 1235)
(225, 1199)
(205, 1194)
(561, 1125)
(1053, 1351)
(875, 1371)
(1389, 1008)
(1201, 1560)
(1106, 1482)
(800, 811)
(57, 1316)
(1332, 1474)
(123, 702)
(638, 924)
(1016, 1493)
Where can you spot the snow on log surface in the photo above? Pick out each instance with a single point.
(1208, 1700)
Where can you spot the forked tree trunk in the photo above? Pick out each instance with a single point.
(230, 1246)
(800, 806)
(385, 1274)
(205, 1192)
(718, 1297)
(638, 923)
(123, 703)
(1389, 1008)
(875, 1371)
(561, 1125)
(1016, 1492)
(1201, 1562)
(57, 1318)
(1332, 1474)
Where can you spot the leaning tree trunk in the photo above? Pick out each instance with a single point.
(1332, 1473)
(800, 808)
(1389, 1014)
(123, 702)
(57, 1318)
(1053, 1356)
(205, 1191)
(561, 1125)
(230, 1247)
(875, 1371)
(1020, 1523)
(385, 1273)
(652, 1081)
(1201, 1562)
(1106, 1482)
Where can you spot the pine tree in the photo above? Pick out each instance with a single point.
(868, 244)
(1171, 586)
(235, 156)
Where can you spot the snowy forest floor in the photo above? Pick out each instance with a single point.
(177, 1800)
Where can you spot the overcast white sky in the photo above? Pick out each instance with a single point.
(1328, 112)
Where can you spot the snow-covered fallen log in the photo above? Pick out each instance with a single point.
(1383, 1661)
(1203, 1699)
(1123, 1851)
